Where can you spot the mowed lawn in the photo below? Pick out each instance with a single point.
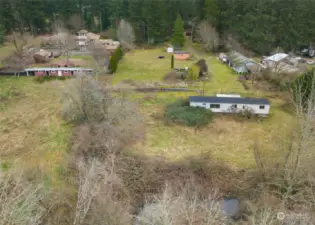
(32, 134)
(228, 138)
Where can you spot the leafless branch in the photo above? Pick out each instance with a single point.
(20, 201)
(126, 34)
(209, 36)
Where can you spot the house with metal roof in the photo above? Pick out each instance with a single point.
(231, 104)
(276, 57)
(241, 64)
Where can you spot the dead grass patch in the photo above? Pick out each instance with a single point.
(31, 129)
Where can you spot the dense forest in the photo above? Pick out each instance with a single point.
(260, 25)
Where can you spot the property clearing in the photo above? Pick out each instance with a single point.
(228, 138)
(32, 131)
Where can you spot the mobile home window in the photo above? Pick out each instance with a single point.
(215, 106)
(261, 107)
(234, 106)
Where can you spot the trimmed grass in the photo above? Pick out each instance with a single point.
(228, 138)
(31, 130)
(144, 65)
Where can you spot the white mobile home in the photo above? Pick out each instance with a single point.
(258, 106)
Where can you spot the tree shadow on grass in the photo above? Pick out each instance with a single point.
(287, 108)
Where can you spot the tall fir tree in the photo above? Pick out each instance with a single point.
(178, 38)
(2, 33)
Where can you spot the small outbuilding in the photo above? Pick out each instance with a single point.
(241, 64)
(170, 49)
(231, 104)
(271, 61)
(181, 55)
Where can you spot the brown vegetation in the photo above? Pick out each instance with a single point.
(115, 187)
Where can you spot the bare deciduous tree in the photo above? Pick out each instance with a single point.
(209, 36)
(19, 40)
(126, 34)
(100, 56)
(290, 174)
(233, 44)
(64, 39)
(20, 201)
(89, 186)
(176, 209)
(21, 57)
(76, 22)
(108, 122)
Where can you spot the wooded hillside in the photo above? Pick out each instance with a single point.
(260, 25)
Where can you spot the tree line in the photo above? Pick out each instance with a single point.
(260, 25)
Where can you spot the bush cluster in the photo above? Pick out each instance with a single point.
(180, 112)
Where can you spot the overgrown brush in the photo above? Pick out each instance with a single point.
(291, 176)
(105, 124)
(20, 200)
(172, 208)
(180, 112)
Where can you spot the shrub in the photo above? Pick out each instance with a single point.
(105, 122)
(193, 73)
(114, 60)
(180, 112)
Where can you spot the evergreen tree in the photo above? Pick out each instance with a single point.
(211, 11)
(178, 38)
(2, 33)
(7, 15)
(113, 63)
(172, 62)
(114, 60)
(303, 88)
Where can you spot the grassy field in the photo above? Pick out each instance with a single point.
(227, 138)
(32, 131)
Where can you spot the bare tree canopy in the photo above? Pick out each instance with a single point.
(208, 35)
(126, 34)
(76, 22)
(20, 200)
(100, 55)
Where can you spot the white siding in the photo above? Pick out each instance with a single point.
(228, 107)
(170, 50)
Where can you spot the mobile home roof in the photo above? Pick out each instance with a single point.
(229, 100)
